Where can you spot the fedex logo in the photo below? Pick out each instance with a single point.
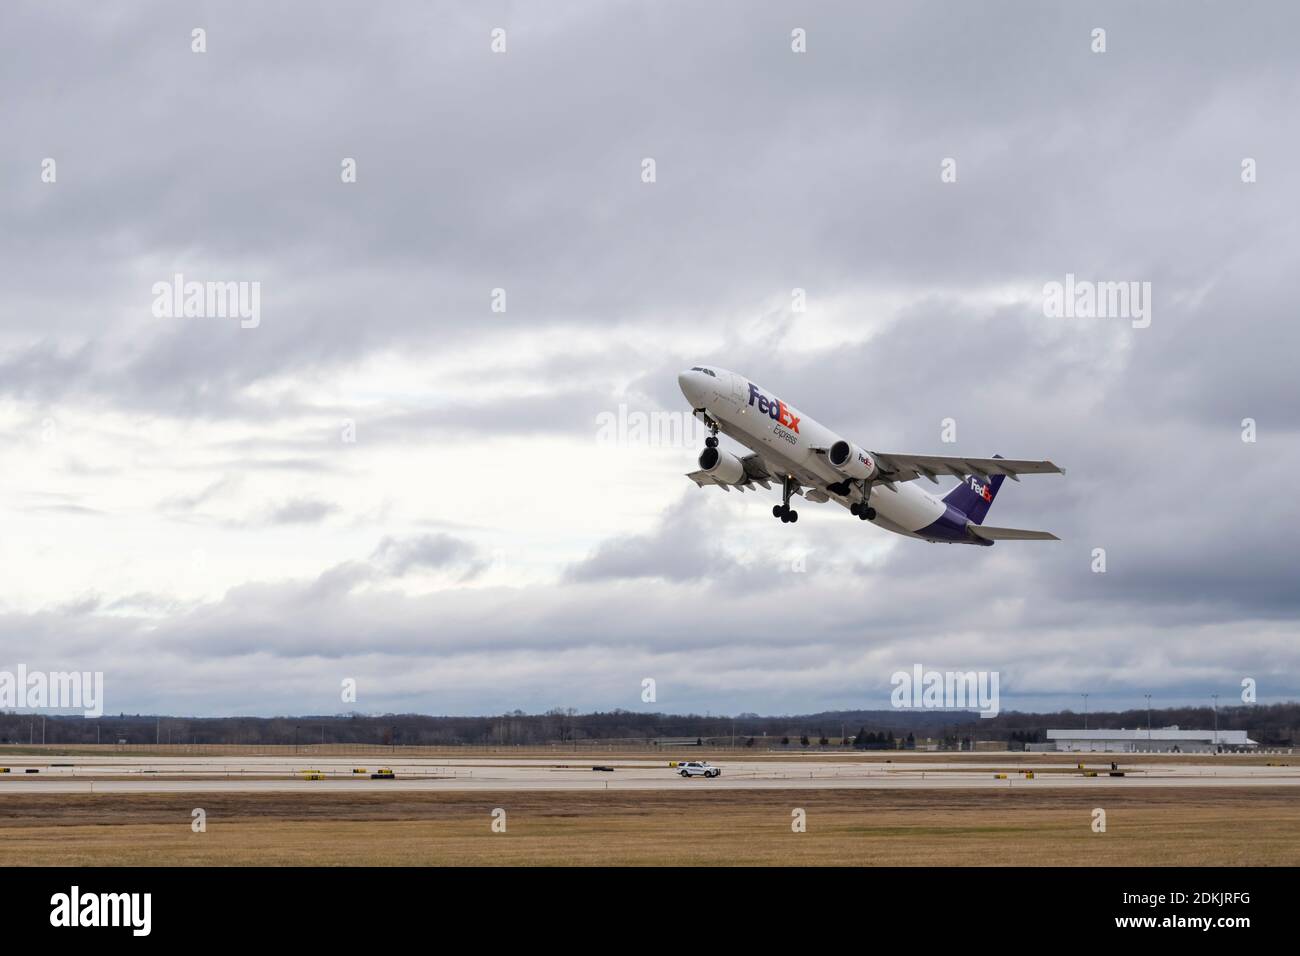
(981, 490)
(776, 410)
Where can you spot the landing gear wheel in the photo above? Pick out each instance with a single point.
(782, 510)
(711, 442)
(863, 508)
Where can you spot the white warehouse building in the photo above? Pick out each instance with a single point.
(1161, 740)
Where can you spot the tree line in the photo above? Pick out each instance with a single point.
(1274, 725)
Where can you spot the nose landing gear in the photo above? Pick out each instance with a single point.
(712, 440)
(712, 423)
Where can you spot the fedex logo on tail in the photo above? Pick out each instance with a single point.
(982, 490)
(776, 410)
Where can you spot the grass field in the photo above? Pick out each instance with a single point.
(1193, 827)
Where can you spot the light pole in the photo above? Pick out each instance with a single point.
(1085, 710)
(1148, 697)
(1216, 722)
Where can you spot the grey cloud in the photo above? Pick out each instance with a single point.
(427, 552)
(67, 509)
(680, 549)
(300, 511)
(843, 145)
(775, 171)
(189, 502)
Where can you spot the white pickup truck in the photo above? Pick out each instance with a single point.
(698, 768)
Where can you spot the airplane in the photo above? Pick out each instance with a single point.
(807, 459)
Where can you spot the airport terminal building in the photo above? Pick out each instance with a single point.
(1161, 740)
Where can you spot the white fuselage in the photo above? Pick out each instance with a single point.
(785, 439)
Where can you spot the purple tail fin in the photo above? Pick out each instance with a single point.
(972, 497)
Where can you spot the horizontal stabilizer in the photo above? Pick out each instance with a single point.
(1010, 534)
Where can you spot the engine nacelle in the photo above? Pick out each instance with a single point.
(848, 459)
(722, 466)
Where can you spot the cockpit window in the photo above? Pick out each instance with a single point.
(706, 371)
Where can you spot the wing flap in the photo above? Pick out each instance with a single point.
(703, 478)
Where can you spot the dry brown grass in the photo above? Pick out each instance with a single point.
(1196, 827)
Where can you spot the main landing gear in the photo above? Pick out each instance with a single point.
(861, 508)
(782, 510)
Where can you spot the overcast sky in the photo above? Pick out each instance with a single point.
(388, 481)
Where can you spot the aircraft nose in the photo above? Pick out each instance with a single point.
(689, 383)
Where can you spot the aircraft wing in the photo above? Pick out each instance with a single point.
(894, 467)
(755, 473)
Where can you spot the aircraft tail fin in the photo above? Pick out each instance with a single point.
(973, 497)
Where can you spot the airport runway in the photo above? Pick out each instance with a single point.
(124, 774)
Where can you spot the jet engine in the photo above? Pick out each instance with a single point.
(848, 459)
(722, 466)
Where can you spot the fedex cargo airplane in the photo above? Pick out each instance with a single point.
(805, 458)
